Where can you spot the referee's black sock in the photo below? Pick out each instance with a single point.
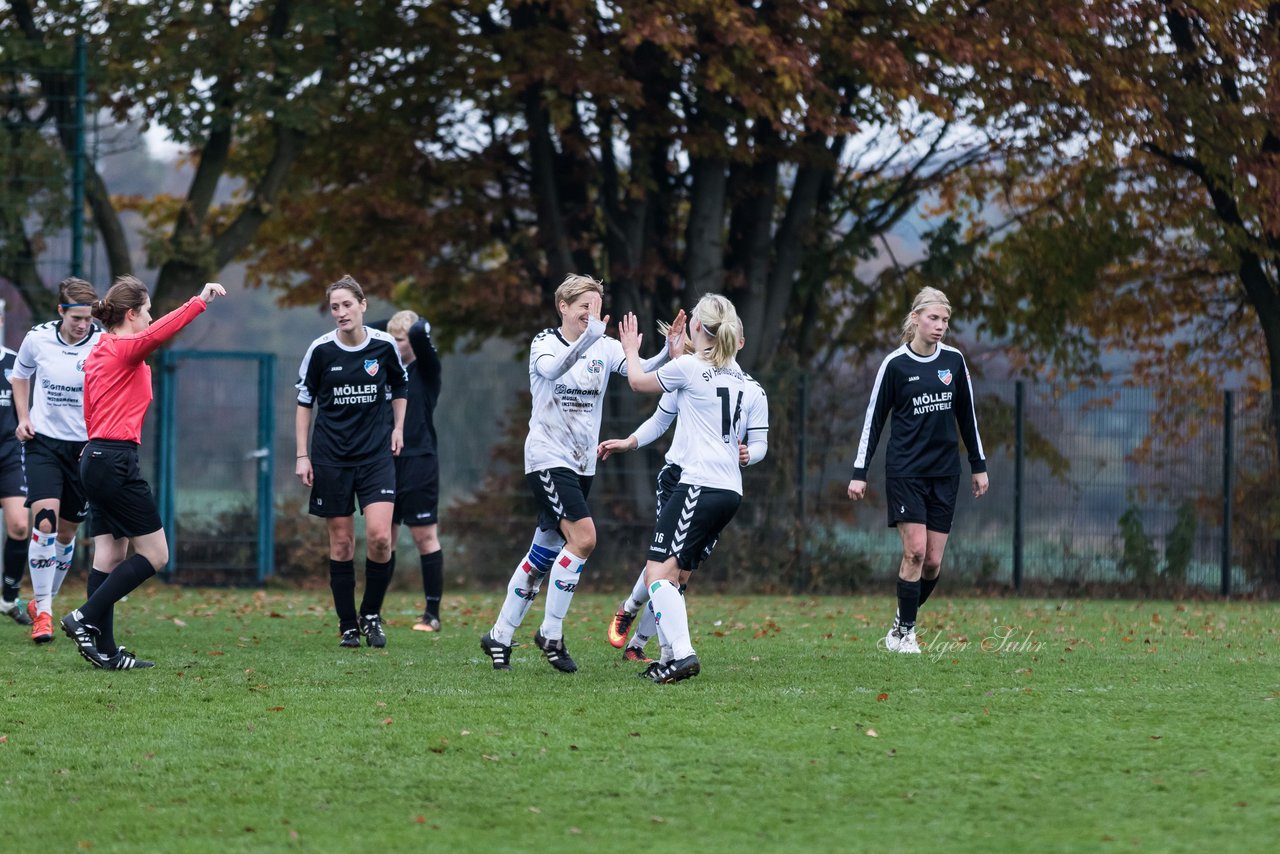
(15, 563)
(926, 587)
(106, 625)
(342, 581)
(377, 578)
(119, 583)
(433, 581)
(908, 604)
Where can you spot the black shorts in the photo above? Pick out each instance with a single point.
(929, 501)
(417, 490)
(335, 489)
(690, 521)
(668, 480)
(53, 471)
(13, 479)
(123, 505)
(561, 494)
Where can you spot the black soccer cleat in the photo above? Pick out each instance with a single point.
(125, 660)
(500, 653)
(371, 628)
(18, 613)
(555, 652)
(678, 671)
(85, 638)
(350, 638)
(649, 672)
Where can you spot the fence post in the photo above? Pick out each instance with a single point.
(1228, 465)
(166, 453)
(1019, 456)
(77, 165)
(802, 409)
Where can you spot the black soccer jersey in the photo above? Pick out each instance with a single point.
(351, 389)
(928, 397)
(8, 417)
(424, 392)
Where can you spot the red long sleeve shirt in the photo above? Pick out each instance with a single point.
(117, 378)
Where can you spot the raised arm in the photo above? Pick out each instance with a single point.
(551, 367)
(630, 337)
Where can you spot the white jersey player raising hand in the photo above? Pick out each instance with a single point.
(715, 409)
(569, 370)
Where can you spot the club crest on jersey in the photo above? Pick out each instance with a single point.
(945, 376)
(8, 374)
(596, 366)
(80, 366)
(371, 367)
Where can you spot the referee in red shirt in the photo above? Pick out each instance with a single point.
(117, 392)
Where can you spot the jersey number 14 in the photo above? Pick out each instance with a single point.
(729, 423)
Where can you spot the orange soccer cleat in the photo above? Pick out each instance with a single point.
(619, 626)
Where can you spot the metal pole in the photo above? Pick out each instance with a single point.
(167, 453)
(1019, 459)
(1228, 465)
(266, 466)
(802, 409)
(77, 165)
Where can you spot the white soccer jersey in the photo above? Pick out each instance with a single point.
(568, 382)
(715, 407)
(57, 410)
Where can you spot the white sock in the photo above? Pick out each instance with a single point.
(64, 553)
(671, 616)
(646, 627)
(664, 646)
(565, 574)
(42, 563)
(525, 583)
(639, 596)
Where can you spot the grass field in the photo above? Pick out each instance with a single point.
(1028, 725)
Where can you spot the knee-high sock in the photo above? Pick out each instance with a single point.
(64, 554)
(433, 581)
(106, 622)
(15, 564)
(377, 578)
(342, 582)
(672, 618)
(926, 587)
(119, 583)
(639, 595)
(525, 583)
(566, 572)
(908, 603)
(42, 560)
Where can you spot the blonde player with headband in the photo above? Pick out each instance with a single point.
(925, 385)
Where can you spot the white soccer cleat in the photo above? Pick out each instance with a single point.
(907, 643)
(891, 639)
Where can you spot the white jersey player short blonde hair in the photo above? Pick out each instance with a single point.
(574, 286)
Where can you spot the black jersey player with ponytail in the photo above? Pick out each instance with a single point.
(352, 383)
(925, 385)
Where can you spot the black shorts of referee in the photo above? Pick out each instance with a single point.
(123, 504)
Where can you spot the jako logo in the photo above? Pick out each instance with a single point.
(566, 586)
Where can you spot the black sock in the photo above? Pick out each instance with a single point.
(683, 587)
(15, 563)
(119, 583)
(908, 603)
(433, 581)
(342, 581)
(926, 587)
(377, 578)
(106, 623)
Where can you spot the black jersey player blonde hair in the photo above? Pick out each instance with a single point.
(574, 286)
(126, 294)
(401, 321)
(927, 296)
(719, 320)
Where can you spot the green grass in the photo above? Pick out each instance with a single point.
(1132, 726)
